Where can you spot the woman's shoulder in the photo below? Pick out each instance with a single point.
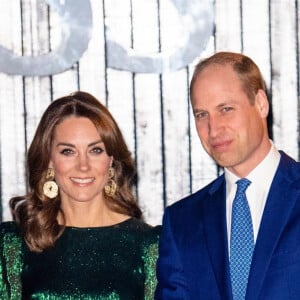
(143, 229)
(10, 240)
(9, 228)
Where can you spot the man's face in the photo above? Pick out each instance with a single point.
(232, 131)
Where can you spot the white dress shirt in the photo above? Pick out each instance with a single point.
(261, 179)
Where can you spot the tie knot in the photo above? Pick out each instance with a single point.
(242, 184)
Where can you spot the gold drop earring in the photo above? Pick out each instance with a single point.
(111, 187)
(50, 187)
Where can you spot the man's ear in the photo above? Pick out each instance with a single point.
(262, 103)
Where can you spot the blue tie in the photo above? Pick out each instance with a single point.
(241, 242)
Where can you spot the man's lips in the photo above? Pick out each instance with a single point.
(220, 146)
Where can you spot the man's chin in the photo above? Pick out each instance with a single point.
(222, 161)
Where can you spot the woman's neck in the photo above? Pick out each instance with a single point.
(84, 215)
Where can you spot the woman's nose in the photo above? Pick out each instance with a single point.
(83, 162)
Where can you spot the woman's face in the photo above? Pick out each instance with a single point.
(79, 159)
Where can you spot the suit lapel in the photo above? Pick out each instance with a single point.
(279, 205)
(214, 216)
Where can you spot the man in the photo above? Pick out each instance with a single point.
(203, 254)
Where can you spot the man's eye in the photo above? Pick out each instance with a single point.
(201, 115)
(227, 108)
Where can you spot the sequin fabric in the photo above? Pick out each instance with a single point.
(106, 263)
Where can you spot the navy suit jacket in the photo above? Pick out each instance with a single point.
(193, 258)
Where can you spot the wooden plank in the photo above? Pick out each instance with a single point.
(253, 41)
(12, 140)
(228, 25)
(120, 96)
(149, 147)
(175, 108)
(148, 114)
(66, 82)
(92, 64)
(37, 90)
(11, 111)
(37, 98)
(120, 104)
(176, 135)
(204, 169)
(120, 99)
(284, 76)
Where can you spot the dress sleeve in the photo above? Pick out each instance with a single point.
(150, 259)
(3, 278)
(10, 266)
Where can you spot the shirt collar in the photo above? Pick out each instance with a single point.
(261, 176)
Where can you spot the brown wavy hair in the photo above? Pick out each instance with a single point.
(35, 213)
(246, 69)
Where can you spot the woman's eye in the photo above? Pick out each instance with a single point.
(97, 150)
(67, 151)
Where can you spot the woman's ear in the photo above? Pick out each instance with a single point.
(111, 161)
(262, 103)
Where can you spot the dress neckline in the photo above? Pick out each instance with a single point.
(120, 224)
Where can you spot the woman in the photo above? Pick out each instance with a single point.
(78, 233)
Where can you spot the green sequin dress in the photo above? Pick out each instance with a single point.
(107, 263)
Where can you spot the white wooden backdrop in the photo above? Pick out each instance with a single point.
(151, 108)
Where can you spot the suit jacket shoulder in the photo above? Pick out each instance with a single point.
(197, 198)
(289, 167)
